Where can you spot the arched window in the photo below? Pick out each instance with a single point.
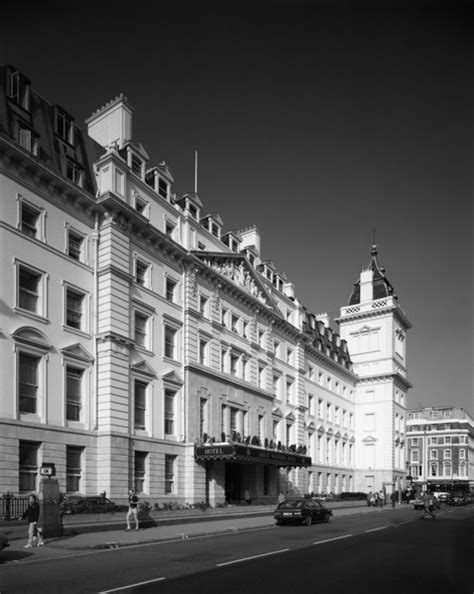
(447, 469)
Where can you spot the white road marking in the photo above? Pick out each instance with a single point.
(331, 539)
(132, 585)
(375, 529)
(253, 557)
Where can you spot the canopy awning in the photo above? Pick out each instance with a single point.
(249, 454)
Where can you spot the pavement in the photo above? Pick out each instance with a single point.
(250, 519)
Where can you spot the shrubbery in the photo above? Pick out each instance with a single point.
(356, 496)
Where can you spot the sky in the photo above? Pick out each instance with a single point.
(316, 121)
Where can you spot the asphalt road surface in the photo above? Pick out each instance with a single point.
(361, 554)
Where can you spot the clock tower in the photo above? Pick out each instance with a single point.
(375, 328)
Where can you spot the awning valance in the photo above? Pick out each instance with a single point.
(248, 454)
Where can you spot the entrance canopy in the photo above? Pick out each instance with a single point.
(248, 454)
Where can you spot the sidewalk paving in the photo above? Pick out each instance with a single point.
(118, 538)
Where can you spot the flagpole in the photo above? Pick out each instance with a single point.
(195, 172)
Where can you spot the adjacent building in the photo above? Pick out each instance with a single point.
(440, 449)
(144, 345)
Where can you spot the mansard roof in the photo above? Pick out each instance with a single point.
(52, 151)
(381, 285)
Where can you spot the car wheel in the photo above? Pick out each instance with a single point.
(307, 521)
(326, 518)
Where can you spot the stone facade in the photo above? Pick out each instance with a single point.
(440, 448)
(135, 331)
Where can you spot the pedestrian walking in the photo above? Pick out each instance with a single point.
(247, 496)
(393, 498)
(31, 513)
(381, 499)
(132, 509)
(369, 499)
(428, 506)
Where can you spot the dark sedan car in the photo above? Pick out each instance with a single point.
(77, 504)
(301, 511)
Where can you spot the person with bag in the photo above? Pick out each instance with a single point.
(132, 508)
(31, 513)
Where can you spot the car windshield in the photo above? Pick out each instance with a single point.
(291, 504)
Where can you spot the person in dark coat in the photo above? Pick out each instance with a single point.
(31, 514)
(393, 498)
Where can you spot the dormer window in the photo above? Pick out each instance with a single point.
(170, 229)
(19, 90)
(26, 138)
(64, 126)
(163, 188)
(193, 211)
(214, 229)
(141, 206)
(74, 172)
(136, 165)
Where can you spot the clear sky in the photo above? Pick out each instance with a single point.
(314, 120)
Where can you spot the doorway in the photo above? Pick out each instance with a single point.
(232, 482)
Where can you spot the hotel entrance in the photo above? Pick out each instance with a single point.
(231, 468)
(233, 480)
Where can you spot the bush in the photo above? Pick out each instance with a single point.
(355, 496)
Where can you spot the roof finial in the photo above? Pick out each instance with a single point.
(374, 245)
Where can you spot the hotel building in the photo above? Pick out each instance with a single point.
(143, 345)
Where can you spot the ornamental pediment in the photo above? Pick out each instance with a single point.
(276, 412)
(290, 417)
(77, 351)
(369, 439)
(144, 368)
(311, 426)
(237, 269)
(31, 336)
(173, 378)
(320, 429)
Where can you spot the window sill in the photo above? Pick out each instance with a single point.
(31, 314)
(30, 417)
(77, 331)
(143, 349)
(170, 360)
(75, 424)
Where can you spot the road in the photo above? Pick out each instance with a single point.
(373, 553)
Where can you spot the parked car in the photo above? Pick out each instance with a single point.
(443, 496)
(301, 511)
(419, 502)
(457, 498)
(77, 504)
(3, 541)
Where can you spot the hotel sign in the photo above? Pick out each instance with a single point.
(248, 454)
